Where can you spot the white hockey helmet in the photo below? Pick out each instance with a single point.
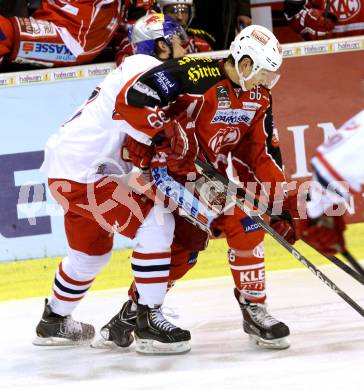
(165, 3)
(261, 45)
(151, 27)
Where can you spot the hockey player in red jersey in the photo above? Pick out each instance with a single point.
(322, 19)
(60, 33)
(338, 174)
(183, 12)
(227, 105)
(81, 161)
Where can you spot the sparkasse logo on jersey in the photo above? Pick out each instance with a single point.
(46, 51)
(172, 190)
(28, 46)
(233, 116)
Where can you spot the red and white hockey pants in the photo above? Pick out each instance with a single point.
(93, 212)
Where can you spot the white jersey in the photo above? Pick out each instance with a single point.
(88, 146)
(339, 164)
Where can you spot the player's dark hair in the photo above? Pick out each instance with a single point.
(157, 49)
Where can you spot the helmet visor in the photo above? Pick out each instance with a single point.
(182, 13)
(174, 9)
(266, 78)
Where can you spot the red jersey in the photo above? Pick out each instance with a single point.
(350, 14)
(86, 26)
(226, 118)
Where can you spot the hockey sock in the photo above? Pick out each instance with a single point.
(151, 272)
(151, 259)
(249, 275)
(134, 295)
(73, 279)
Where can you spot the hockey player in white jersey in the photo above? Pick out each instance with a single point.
(247, 257)
(338, 167)
(78, 161)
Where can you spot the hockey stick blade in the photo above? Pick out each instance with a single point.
(240, 191)
(212, 174)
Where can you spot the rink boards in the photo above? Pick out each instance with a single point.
(320, 87)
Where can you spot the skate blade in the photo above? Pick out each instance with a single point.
(281, 343)
(108, 345)
(58, 341)
(154, 347)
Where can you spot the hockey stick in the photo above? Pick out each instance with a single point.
(327, 8)
(212, 174)
(346, 268)
(359, 276)
(355, 264)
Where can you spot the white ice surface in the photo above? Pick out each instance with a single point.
(327, 342)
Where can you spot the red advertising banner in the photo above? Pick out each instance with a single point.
(315, 96)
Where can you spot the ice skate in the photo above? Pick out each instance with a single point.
(155, 335)
(55, 330)
(264, 330)
(118, 331)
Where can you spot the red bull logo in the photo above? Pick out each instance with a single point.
(154, 19)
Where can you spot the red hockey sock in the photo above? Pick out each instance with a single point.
(249, 275)
(6, 36)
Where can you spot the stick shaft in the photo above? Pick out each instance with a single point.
(353, 262)
(211, 173)
(241, 192)
(327, 8)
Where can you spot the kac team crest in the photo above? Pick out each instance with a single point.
(224, 137)
(345, 9)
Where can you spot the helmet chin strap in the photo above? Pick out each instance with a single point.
(242, 79)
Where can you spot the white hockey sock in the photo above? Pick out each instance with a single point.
(152, 256)
(151, 272)
(73, 278)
